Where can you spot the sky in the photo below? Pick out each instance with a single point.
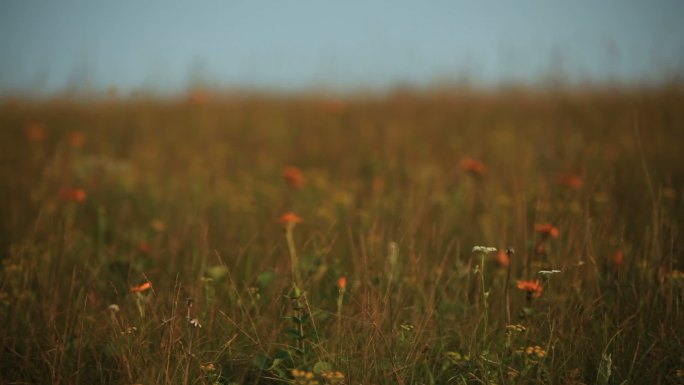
(168, 46)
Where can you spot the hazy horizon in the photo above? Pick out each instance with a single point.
(78, 45)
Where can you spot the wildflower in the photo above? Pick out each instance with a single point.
(302, 377)
(76, 139)
(35, 132)
(457, 357)
(617, 258)
(546, 230)
(158, 225)
(473, 167)
(293, 176)
(332, 106)
(290, 219)
(407, 326)
(483, 249)
(144, 247)
(195, 322)
(533, 288)
(572, 181)
(342, 283)
(378, 184)
(503, 259)
(199, 96)
(516, 328)
(73, 195)
(331, 377)
(140, 288)
(677, 275)
(535, 351)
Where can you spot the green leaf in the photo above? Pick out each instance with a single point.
(217, 272)
(263, 361)
(604, 370)
(322, 367)
(320, 315)
(276, 364)
(264, 279)
(294, 334)
(282, 354)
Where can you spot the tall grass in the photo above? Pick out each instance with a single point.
(99, 198)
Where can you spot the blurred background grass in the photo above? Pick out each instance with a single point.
(99, 197)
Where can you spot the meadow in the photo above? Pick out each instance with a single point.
(427, 237)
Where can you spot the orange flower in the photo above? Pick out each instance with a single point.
(35, 132)
(145, 286)
(73, 195)
(618, 258)
(76, 139)
(546, 230)
(533, 288)
(199, 96)
(332, 106)
(473, 166)
(290, 219)
(502, 258)
(342, 282)
(572, 181)
(144, 247)
(293, 176)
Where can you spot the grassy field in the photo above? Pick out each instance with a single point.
(305, 240)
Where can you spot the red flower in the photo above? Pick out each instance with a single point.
(144, 247)
(199, 96)
(572, 181)
(546, 230)
(533, 288)
(342, 282)
(293, 176)
(145, 286)
(290, 219)
(76, 139)
(502, 258)
(73, 195)
(618, 258)
(473, 166)
(35, 132)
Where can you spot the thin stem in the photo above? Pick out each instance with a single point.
(293, 252)
(510, 253)
(484, 299)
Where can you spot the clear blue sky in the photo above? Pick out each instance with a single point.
(51, 45)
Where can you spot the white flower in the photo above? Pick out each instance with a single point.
(195, 322)
(484, 249)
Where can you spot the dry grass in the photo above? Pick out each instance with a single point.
(100, 198)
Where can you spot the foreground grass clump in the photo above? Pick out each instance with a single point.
(413, 239)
